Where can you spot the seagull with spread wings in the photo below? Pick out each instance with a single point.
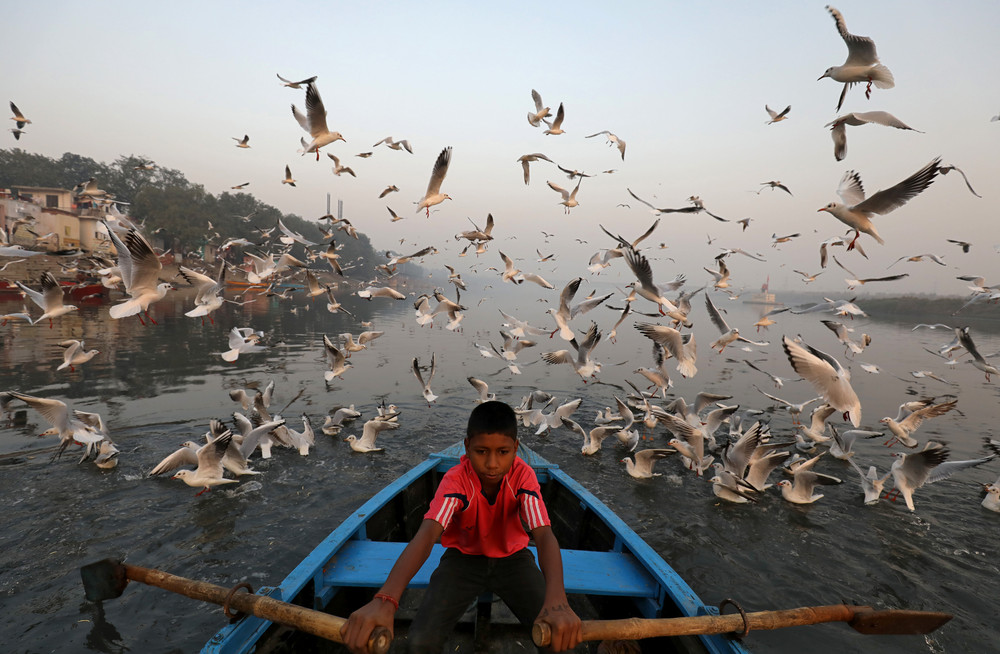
(314, 122)
(434, 195)
(838, 127)
(729, 334)
(856, 211)
(862, 64)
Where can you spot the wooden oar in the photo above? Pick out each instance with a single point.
(107, 579)
(862, 618)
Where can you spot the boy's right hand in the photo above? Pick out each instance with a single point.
(358, 628)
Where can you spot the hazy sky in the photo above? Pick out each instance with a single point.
(683, 84)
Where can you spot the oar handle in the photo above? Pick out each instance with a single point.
(316, 623)
(638, 628)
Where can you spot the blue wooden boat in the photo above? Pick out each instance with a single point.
(609, 572)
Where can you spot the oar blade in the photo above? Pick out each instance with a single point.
(103, 580)
(898, 622)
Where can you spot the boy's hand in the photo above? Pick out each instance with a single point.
(361, 623)
(564, 623)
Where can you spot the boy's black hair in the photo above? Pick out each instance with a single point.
(492, 418)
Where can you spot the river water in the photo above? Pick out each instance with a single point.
(159, 385)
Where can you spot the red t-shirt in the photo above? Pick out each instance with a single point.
(473, 525)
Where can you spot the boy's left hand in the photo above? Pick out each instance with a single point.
(564, 623)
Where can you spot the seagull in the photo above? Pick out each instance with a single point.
(69, 429)
(965, 338)
(426, 386)
(75, 355)
(992, 499)
(582, 364)
(369, 433)
(827, 376)
(336, 359)
(965, 245)
(528, 158)
(242, 143)
(288, 177)
(778, 381)
(918, 257)
(612, 140)
(838, 127)
(844, 337)
(862, 64)
(17, 315)
(680, 346)
(801, 489)
(856, 211)
(541, 111)
(773, 185)
(911, 471)
(392, 188)
(729, 334)
(592, 440)
(642, 467)
(208, 296)
(314, 122)
(395, 145)
(483, 389)
(434, 195)
(871, 483)
(947, 169)
(555, 127)
(49, 299)
(696, 207)
(337, 168)
(565, 312)
(776, 116)
(140, 268)
(17, 133)
(649, 290)
(568, 199)
(18, 117)
(242, 340)
(209, 471)
(795, 409)
(296, 85)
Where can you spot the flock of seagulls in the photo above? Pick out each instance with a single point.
(730, 446)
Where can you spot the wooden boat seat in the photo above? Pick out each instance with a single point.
(363, 563)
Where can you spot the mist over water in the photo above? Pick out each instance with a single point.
(159, 385)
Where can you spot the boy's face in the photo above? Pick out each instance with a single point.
(491, 456)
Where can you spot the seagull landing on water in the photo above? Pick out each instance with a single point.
(862, 64)
(209, 471)
(434, 195)
(856, 211)
(911, 471)
(314, 122)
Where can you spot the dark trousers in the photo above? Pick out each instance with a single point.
(461, 578)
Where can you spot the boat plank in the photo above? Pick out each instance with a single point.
(367, 564)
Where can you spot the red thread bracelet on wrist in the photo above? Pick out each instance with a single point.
(388, 598)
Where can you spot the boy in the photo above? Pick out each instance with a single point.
(477, 512)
